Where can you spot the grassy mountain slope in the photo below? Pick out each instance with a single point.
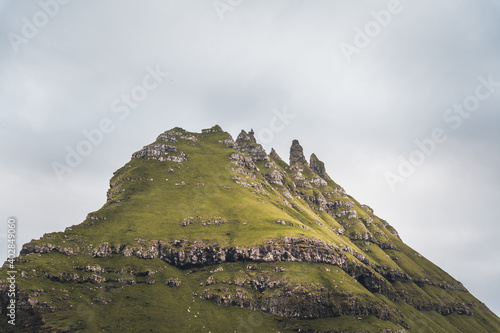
(201, 233)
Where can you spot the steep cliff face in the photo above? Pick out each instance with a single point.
(204, 233)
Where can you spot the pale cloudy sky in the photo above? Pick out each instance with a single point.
(359, 100)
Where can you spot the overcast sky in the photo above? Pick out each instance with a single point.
(357, 83)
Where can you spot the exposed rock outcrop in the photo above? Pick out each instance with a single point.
(297, 159)
(185, 254)
(36, 247)
(246, 144)
(161, 152)
(213, 129)
(244, 162)
(318, 167)
(275, 155)
(300, 301)
(173, 282)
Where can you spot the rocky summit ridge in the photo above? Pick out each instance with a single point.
(204, 233)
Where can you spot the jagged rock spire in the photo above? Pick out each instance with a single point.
(275, 155)
(297, 154)
(246, 144)
(318, 167)
(244, 136)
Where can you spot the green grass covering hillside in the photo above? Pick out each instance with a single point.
(202, 194)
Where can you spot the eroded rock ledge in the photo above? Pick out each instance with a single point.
(303, 301)
(184, 254)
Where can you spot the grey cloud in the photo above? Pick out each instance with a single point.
(357, 117)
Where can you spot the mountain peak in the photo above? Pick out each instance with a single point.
(246, 143)
(197, 227)
(244, 136)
